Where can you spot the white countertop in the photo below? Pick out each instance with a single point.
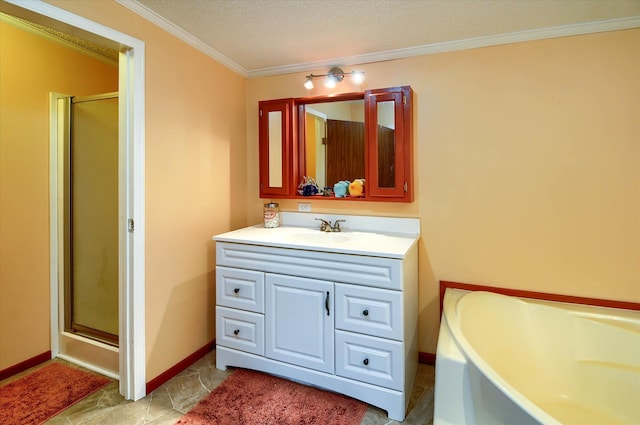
(371, 242)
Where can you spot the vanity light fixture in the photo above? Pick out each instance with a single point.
(334, 76)
(309, 83)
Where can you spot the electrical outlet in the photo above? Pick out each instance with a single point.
(304, 207)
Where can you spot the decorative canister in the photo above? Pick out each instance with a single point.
(271, 215)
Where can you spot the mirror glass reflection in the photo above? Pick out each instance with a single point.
(386, 144)
(275, 149)
(334, 141)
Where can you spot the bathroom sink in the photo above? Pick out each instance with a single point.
(386, 237)
(318, 237)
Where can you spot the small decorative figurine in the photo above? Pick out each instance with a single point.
(356, 188)
(341, 188)
(309, 187)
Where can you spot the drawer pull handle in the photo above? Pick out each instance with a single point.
(365, 313)
(236, 290)
(366, 362)
(236, 332)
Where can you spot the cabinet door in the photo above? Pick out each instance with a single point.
(389, 147)
(276, 148)
(299, 321)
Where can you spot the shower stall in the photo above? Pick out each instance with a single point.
(88, 243)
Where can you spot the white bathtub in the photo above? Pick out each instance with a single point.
(506, 360)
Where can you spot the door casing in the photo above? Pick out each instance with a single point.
(132, 363)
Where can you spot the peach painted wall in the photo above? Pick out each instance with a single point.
(30, 68)
(527, 165)
(195, 180)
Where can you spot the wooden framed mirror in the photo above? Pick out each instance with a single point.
(344, 137)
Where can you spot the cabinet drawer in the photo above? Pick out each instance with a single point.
(238, 288)
(368, 359)
(372, 311)
(241, 330)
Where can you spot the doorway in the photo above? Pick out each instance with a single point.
(131, 359)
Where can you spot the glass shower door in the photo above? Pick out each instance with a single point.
(91, 251)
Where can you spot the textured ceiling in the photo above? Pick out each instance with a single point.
(265, 34)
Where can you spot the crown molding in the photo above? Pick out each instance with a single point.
(451, 46)
(427, 49)
(181, 34)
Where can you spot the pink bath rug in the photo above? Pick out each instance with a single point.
(40, 395)
(253, 398)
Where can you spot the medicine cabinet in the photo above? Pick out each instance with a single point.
(277, 152)
(365, 135)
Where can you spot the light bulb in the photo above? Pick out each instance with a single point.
(331, 82)
(309, 83)
(357, 76)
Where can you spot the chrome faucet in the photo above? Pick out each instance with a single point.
(326, 226)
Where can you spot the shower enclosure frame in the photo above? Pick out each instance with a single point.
(131, 118)
(69, 305)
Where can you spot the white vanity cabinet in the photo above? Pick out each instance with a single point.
(340, 318)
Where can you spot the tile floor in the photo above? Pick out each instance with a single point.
(169, 402)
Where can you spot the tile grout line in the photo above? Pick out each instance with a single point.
(146, 411)
(202, 384)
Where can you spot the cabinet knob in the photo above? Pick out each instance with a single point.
(365, 361)
(236, 290)
(365, 313)
(236, 332)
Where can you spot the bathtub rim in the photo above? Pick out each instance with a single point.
(543, 296)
